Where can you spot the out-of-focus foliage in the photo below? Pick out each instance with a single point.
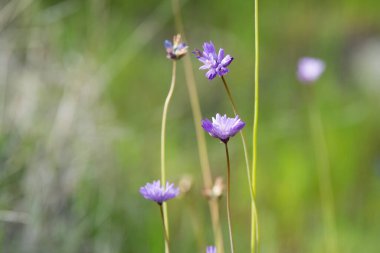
(82, 85)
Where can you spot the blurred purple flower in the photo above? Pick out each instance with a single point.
(223, 127)
(154, 191)
(216, 64)
(175, 50)
(309, 69)
(211, 249)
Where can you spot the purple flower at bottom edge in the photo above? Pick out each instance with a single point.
(223, 127)
(211, 249)
(154, 191)
(309, 69)
(216, 64)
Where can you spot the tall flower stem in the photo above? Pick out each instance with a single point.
(242, 137)
(201, 141)
(324, 177)
(166, 235)
(254, 225)
(163, 129)
(228, 197)
(254, 219)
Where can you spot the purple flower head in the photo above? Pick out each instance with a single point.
(223, 127)
(175, 50)
(211, 249)
(309, 69)
(154, 191)
(216, 64)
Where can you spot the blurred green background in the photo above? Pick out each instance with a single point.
(82, 86)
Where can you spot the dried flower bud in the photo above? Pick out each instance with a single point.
(175, 50)
(217, 189)
(185, 184)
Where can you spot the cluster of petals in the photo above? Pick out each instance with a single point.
(157, 193)
(215, 63)
(177, 49)
(222, 127)
(309, 69)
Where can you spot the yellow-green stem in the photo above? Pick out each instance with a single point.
(229, 198)
(242, 137)
(325, 184)
(201, 142)
(254, 219)
(163, 129)
(254, 215)
(166, 236)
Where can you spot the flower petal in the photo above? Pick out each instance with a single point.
(168, 44)
(211, 74)
(221, 55)
(226, 61)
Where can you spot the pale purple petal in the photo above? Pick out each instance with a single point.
(211, 249)
(209, 48)
(211, 74)
(154, 191)
(181, 46)
(168, 44)
(221, 55)
(309, 69)
(222, 71)
(223, 127)
(216, 64)
(226, 61)
(207, 125)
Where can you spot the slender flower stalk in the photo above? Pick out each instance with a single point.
(254, 215)
(223, 128)
(251, 189)
(163, 128)
(165, 231)
(251, 178)
(201, 141)
(228, 197)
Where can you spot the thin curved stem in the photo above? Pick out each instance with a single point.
(254, 135)
(167, 248)
(229, 198)
(242, 138)
(163, 129)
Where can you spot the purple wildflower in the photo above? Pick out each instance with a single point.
(216, 64)
(309, 69)
(175, 50)
(154, 191)
(211, 249)
(223, 127)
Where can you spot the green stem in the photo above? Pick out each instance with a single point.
(166, 235)
(201, 141)
(325, 184)
(254, 225)
(242, 138)
(228, 198)
(254, 216)
(163, 129)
